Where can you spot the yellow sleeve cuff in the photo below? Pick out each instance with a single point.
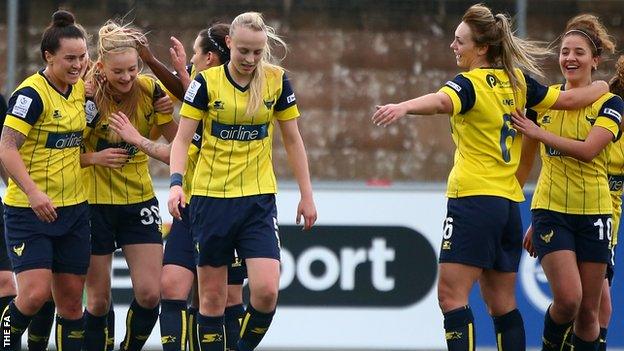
(608, 124)
(162, 118)
(18, 124)
(287, 114)
(454, 99)
(551, 97)
(192, 112)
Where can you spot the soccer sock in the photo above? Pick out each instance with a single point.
(554, 334)
(192, 329)
(253, 328)
(69, 334)
(210, 333)
(18, 324)
(140, 322)
(40, 327)
(603, 340)
(95, 331)
(173, 325)
(582, 345)
(459, 328)
(233, 317)
(509, 330)
(110, 328)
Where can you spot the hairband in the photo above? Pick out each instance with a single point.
(585, 34)
(214, 42)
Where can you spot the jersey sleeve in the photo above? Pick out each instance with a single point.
(462, 94)
(610, 115)
(286, 104)
(196, 100)
(539, 97)
(25, 107)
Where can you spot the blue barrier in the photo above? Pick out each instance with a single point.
(532, 293)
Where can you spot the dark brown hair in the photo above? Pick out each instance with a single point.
(593, 32)
(63, 25)
(213, 39)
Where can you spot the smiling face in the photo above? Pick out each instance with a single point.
(246, 49)
(467, 54)
(121, 69)
(65, 66)
(576, 59)
(200, 60)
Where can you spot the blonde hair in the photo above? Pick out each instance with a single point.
(504, 48)
(114, 38)
(255, 22)
(593, 31)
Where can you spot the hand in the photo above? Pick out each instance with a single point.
(524, 125)
(527, 243)
(388, 114)
(164, 105)
(176, 200)
(89, 89)
(178, 55)
(307, 210)
(120, 124)
(42, 206)
(112, 157)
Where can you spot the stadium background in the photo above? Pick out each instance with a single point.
(372, 183)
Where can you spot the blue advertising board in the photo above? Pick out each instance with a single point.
(533, 297)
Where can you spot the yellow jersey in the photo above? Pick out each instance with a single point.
(236, 150)
(53, 123)
(616, 181)
(131, 183)
(565, 184)
(488, 148)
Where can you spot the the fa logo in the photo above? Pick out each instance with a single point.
(218, 105)
(19, 249)
(57, 114)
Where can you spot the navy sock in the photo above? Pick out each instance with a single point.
(253, 328)
(193, 312)
(69, 334)
(459, 329)
(554, 335)
(603, 340)
(173, 325)
(509, 330)
(140, 322)
(110, 328)
(40, 327)
(17, 324)
(210, 333)
(4, 302)
(233, 316)
(582, 345)
(95, 331)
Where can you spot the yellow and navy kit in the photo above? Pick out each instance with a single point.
(131, 183)
(53, 123)
(236, 152)
(616, 182)
(565, 184)
(488, 148)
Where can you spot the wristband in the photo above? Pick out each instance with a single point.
(176, 179)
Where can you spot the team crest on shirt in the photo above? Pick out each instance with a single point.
(22, 104)
(91, 111)
(269, 103)
(218, 105)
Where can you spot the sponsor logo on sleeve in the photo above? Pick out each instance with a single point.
(613, 113)
(291, 98)
(453, 86)
(91, 111)
(192, 91)
(22, 105)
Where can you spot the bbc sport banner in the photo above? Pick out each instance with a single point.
(365, 276)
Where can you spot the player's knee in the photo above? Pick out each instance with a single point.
(265, 297)
(447, 299)
(98, 305)
(33, 299)
(587, 318)
(567, 305)
(170, 290)
(69, 308)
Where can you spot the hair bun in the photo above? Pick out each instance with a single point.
(62, 18)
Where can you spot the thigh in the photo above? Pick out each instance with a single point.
(258, 236)
(263, 275)
(145, 263)
(592, 279)
(563, 275)
(98, 282)
(67, 292)
(454, 284)
(176, 282)
(498, 290)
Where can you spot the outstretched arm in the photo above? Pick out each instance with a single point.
(429, 104)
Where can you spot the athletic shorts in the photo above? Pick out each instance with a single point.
(220, 226)
(5, 262)
(62, 246)
(587, 235)
(114, 226)
(482, 231)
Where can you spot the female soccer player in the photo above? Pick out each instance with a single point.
(482, 237)
(124, 210)
(571, 208)
(233, 196)
(47, 219)
(179, 271)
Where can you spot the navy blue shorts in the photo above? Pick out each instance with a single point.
(114, 226)
(482, 231)
(5, 262)
(180, 251)
(62, 246)
(245, 224)
(587, 235)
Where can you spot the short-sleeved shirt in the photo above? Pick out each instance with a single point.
(488, 148)
(616, 183)
(568, 185)
(53, 123)
(236, 150)
(131, 183)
